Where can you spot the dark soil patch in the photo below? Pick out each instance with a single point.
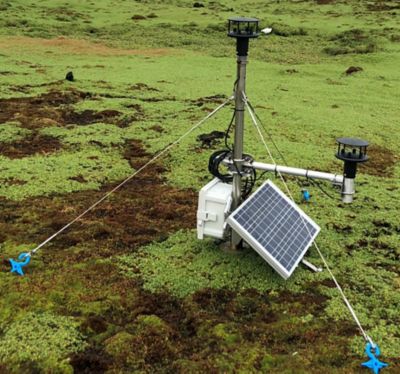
(95, 324)
(157, 128)
(138, 17)
(136, 107)
(157, 99)
(213, 300)
(34, 112)
(79, 178)
(352, 41)
(359, 244)
(378, 244)
(210, 139)
(143, 87)
(340, 228)
(381, 162)
(136, 154)
(30, 145)
(90, 116)
(353, 69)
(12, 182)
(93, 360)
(215, 99)
(311, 301)
(55, 109)
(145, 209)
(381, 223)
(381, 6)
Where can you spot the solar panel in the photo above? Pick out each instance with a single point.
(275, 227)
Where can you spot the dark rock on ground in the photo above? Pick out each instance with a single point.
(70, 76)
(353, 69)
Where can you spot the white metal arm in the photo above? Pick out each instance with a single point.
(334, 178)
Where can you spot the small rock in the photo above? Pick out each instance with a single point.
(70, 76)
(353, 69)
(198, 5)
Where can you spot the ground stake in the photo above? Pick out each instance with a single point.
(16, 267)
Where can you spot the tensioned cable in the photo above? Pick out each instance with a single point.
(346, 301)
(315, 183)
(157, 156)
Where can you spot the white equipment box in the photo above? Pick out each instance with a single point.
(215, 200)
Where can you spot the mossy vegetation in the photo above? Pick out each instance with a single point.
(40, 341)
(353, 41)
(129, 288)
(60, 173)
(183, 265)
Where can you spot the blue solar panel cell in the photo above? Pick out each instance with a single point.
(275, 227)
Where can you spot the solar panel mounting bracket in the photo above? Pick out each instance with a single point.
(311, 266)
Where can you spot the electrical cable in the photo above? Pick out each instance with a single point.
(346, 301)
(214, 163)
(317, 184)
(250, 174)
(228, 130)
(157, 156)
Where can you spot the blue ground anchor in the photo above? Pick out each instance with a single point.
(16, 267)
(305, 195)
(374, 364)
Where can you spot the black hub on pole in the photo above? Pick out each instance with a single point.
(351, 151)
(243, 28)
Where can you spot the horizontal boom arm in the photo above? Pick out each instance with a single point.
(334, 178)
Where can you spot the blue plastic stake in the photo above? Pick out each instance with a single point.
(374, 364)
(16, 267)
(306, 195)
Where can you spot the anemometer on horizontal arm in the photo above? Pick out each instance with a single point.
(268, 220)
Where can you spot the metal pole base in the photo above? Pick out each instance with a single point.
(227, 247)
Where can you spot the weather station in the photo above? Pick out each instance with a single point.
(267, 220)
(220, 214)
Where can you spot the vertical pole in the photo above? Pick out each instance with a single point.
(238, 139)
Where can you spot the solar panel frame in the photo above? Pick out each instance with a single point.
(264, 251)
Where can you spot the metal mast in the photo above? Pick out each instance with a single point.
(242, 29)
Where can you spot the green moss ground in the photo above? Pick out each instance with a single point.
(177, 304)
